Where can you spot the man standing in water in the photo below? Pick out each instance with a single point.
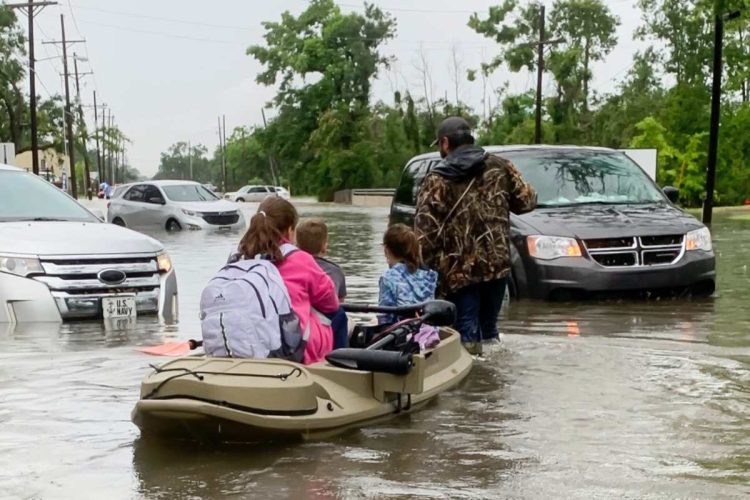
(463, 223)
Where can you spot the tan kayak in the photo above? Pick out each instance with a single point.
(251, 400)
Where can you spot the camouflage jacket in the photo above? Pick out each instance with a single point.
(463, 222)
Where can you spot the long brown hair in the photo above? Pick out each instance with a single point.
(403, 244)
(274, 218)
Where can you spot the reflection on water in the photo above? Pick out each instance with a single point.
(585, 400)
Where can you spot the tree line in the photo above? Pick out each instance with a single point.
(328, 134)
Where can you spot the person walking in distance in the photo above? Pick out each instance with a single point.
(463, 224)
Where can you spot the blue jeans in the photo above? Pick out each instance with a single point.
(477, 309)
(340, 327)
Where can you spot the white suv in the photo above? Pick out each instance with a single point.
(173, 205)
(58, 261)
(256, 193)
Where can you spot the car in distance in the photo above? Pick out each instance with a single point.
(58, 261)
(601, 227)
(256, 193)
(173, 205)
(282, 192)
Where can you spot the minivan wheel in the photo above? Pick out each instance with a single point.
(173, 225)
(118, 222)
(241, 200)
(512, 288)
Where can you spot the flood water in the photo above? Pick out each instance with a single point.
(591, 400)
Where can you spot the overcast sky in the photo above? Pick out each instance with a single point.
(168, 68)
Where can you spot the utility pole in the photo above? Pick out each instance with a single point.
(96, 136)
(223, 157)
(271, 160)
(68, 112)
(224, 149)
(540, 44)
(82, 127)
(190, 160)
(110, 148)
(120, 158)
(32, 9)
(244, 156)
(107, 174)
(713, 137)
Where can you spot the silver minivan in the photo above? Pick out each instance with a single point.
(59, 261)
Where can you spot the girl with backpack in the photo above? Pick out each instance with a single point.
(270, 236)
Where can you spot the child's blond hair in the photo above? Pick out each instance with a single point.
(312, 236)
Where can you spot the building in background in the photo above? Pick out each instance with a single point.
(51, 164)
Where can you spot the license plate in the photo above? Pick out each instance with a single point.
(120, 323)
(118, 307)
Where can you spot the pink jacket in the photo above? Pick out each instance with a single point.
(309, 286)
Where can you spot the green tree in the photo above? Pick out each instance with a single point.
(679, 167)
(737, 50)
(586, 33)
(12, 100)
(684, 29)
(637, 97)
(175, 163)
(341, 53)
(588, 27)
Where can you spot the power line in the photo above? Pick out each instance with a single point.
(165, 35)
(166, 19)
(73, 16)
(221, 26)
(411, 11)
(477, 44)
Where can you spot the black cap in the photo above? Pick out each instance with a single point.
(453, 126)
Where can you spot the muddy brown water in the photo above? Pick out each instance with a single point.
(589, 400)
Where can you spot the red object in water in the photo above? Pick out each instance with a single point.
(746, 202)
(171, 348)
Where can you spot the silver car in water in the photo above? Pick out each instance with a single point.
(256, 194)
(173, 205)
(59, 261)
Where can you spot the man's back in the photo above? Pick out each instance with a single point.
(463, 221)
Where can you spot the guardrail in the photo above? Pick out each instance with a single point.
(365, 197)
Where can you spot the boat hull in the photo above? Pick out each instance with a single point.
(274, 400)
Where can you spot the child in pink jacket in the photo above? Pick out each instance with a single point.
(310, 288)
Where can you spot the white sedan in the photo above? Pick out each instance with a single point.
(173, 205)
(256, 193)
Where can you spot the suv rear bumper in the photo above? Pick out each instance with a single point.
(571, 277)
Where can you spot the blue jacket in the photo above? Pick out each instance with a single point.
(400, 287)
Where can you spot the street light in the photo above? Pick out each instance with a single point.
(713, 138)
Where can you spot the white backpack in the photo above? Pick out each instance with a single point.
(246, 312)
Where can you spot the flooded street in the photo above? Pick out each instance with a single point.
(589, 400)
